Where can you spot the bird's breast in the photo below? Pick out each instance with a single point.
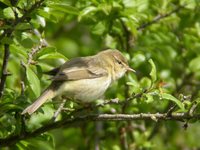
(86, 90)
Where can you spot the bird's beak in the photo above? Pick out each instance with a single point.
(130, 69)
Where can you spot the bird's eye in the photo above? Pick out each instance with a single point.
(119, 62)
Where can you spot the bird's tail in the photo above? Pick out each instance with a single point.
(47, 94)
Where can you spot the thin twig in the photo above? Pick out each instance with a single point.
(123, 138)
(192, 108)
(22, 87)
(8, 33)
(59, 109)
(21, 19)
(4, 72)
(159, 17)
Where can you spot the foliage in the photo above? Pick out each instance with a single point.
(159, 38)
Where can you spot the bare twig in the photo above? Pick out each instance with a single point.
(193, 108)
(159, 17)
(35, 50)
(22, 87)
(8, 33)
(4, 72)
(21, 19)
(59, 109)
(123, 138)
(71, 122)
(171, 109)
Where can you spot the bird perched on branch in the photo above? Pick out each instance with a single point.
(84, 79)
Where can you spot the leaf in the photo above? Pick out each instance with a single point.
(33, 81)
(7, 40)
(8, 13)
(54, 55)
(149, 98)
(23, 26)
(86, 11)
(17, 49)
(46, 50)
(194, 64)
(27, 43)
(64, 8)
(71, 105)
(99, 28)
(43, 13)
(9, 106)
(175, 100)
(145, 83)
(6, 2)
(153, 71)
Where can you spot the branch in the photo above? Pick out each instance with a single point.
(4, 73)
(21, 19)
(68, 122)
(159, 17)
(8, 33)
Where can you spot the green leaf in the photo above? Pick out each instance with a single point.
(8, 13)
(27, 43)
(48, 15)
(86, 11)
(16, 49)
(64, 8)
(194, 64)
(99, 28)
(9, 106)
(145, 83)
(149, 98)
(175, 100)
(7, 40)
(43, 13)
(54, 55)
(153, 71)
(23, 26)
(6, 2)
(46, 50)
(33, 81)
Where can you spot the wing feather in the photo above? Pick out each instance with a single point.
(79, 68)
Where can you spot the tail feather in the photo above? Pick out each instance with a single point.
(47, 94)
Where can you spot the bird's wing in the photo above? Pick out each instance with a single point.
(79, 68)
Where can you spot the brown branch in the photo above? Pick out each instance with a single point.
(69, 122)
(159, 17)
(4, 72)
(8, 33)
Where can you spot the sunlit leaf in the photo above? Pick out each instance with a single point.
(86, 11)
(55, 55)
(6, 2)
(23, 26)
(153, 72)
(65, 8)
(8, 13)
(33, 80)
(175, 100)
(17, 49)
(194, 64)
(8, 107)
(99, 28)
(45, 51)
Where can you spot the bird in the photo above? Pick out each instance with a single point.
(84, 79)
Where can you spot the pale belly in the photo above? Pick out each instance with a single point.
(86, 90)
